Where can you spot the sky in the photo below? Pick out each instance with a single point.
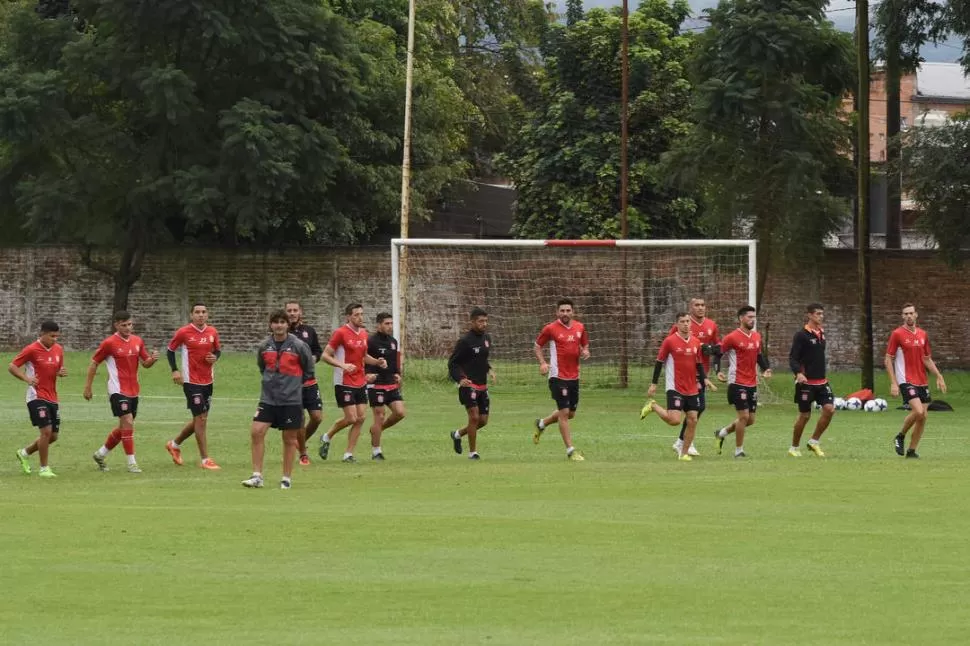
(841, 12)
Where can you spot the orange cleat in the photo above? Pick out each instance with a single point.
(176, 453)
(304, 460)
(210, 464)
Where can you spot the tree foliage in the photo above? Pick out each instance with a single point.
(770, 148)
(565, 161)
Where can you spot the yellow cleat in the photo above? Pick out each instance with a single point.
(647, 408)
(576, 456)
(537, 433)
(795, 453)
(685, 458)
(816, 448)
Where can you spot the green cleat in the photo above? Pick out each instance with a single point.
(24, 464)
(815, 448)
(45, 472)
(537, 433)
(576, 456)
(647, 408)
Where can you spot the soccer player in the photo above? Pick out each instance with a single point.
(706, 332)
(198, 343)
(384, 384)
(39, 365)
(680, 359)
(807, 361)
(568, 343)
(312, 402)
(742, 347)
(907, 358)
(468, 365)
(285, 363)
(347, 353)
(121, 352)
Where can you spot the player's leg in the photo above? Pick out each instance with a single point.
(919, 409)
(376, 427)
(691, 416)
(290, 446)
(673, 414)
(566, 412)
(126, 424)
(911, 398)
(824, 398)
(740, 425)
(473, 433)
(257, 437)
(43, 444)
(398, 412)
(802, 399)
(344, 398)
(360, 416)
(702, 389)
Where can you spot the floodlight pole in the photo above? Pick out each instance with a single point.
(624, 376)
(862, 195)
(401, 315)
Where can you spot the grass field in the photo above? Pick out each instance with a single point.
(629, 547)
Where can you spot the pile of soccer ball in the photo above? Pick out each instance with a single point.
(877, 405)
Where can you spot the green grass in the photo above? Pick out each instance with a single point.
(629, 547)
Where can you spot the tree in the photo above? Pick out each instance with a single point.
(565, 159)
(938, 179)
(769, 149)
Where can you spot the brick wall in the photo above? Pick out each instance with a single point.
(242, 287)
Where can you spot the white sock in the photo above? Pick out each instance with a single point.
(813, 441)
(738, 450)
(131, 459)
(325, 438)
(542, 425)
(176, 445)
(794, 448)
(473, 453)
(679, 443)
(723, 432)
(375, 450)
(23, 453)
(285, 479)
(454, 435)
(102, 452)
(570, 450)
(45, 468)
(348, 455)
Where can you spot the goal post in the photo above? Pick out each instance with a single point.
(626, 292)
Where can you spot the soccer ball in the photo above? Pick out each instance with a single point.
(876, 405)
(839, 403)
(853, 403)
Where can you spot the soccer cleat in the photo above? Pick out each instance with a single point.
(474, 456)
(324, 449)
(536, 434)
(456, 441)
(576, 456)
(795, 453)
(719, 441)
(685, 458)
(175, 452)
(253, 482)
(647, 408)
(133, 468)
(677, 446)
(285, 484)
(24, 464)
(911, 453)
(379, 457)
(210, 464)
(349, 460)
(304, 460)
(693, 451)
(740, 455)
(816, 448)
(102, 465)
(898, 444)
(45, 472)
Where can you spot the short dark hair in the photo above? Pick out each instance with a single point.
(350, 308)
(812, 307)
(680, 315)
(476, 312)
(277, 316)
(905, 305)
(121, 315)
(744, 310)
(293, 301)
(381, 317)
(564, 301)
(49, 326)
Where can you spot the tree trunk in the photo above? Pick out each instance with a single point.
(894, 220)
(128, 270)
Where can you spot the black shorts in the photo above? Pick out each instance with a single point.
(806, 395)
(470, 398)
(683, 403)
(743, 397)
(198, 399)
(378, 397)
(909, 391)
(565, 392)
(44, 413)
(122, 405)
(347, 396)
(285, 418)
(312, 400)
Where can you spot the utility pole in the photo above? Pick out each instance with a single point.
(624, 189)
(862, 195)
(406, 175)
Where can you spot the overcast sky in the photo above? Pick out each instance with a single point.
(842, 13)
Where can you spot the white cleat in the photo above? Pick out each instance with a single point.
(255, 482)
(693, 451)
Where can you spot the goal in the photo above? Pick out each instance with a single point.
(626, 292)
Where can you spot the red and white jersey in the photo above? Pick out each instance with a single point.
(121, 356)
(704, 331)
(680, 357)
(742, 349)
(909, 348)
(565, 344)
(43, 363)
(195, 344)
(349, 345)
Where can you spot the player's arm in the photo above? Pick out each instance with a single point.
(89, 378)
(260, 361)
(890, 365)
(18, 372)
(148, 360)
(931, 366)
(764, 365)
(722, 349)
(307, 360)
(371, 361)
(795, 359)
(702, 375)
(329, 357)
(540, 357)
(216, 353)
(455, 361)
(314, 344)
(584, 345)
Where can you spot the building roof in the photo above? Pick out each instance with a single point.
(942, 81)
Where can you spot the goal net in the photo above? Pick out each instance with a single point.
(626, 292)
